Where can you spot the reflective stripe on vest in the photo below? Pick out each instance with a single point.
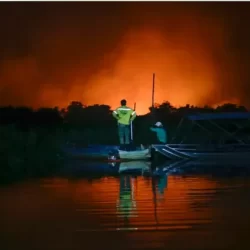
(123, 109)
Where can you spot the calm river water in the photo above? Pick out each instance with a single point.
(174, 211)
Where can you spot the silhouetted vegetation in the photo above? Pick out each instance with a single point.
(28, 153)
(32, 140)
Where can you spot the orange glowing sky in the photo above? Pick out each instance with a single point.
(72, 57)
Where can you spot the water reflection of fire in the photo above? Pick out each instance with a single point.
(126, 203)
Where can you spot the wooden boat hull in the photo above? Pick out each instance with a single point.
(135, 155)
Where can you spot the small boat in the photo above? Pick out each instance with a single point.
(225, 145)
(107, 153)
(135, 155)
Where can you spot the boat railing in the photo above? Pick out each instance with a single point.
(210, 118)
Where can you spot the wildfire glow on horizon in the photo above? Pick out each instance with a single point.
(186, 49)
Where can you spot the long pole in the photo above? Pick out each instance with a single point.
(153, 99)
(131, 125)
(153, 91)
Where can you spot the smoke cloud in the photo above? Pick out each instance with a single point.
(97, 53)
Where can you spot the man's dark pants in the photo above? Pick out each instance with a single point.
(124, 133)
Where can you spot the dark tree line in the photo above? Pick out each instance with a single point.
(78, 115)
(32, 141)
(95, 124)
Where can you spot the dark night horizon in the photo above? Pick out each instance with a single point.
(99, 53)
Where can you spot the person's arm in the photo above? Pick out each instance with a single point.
(153, 129)
(133, 115)
(115, 114)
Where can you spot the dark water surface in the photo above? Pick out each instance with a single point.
(169, 212)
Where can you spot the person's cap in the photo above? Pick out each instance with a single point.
(158, 124)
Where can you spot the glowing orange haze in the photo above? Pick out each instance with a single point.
(185, 73)
(178, 76)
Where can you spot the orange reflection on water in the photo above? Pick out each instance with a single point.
(106, 194)
(45, 214)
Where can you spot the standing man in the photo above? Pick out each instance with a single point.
(124, 116)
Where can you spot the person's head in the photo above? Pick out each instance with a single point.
(158, 124)
(123, 102)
